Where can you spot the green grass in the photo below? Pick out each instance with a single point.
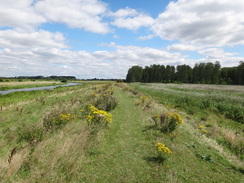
(123, 152)
(223, 118)
(192, 100)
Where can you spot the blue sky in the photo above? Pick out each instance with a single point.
(104, 38)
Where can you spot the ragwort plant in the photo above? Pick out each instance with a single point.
(163, 152)
(202, 129)
(96, 119)
(102, 98)
(57, 119)
(168, 121)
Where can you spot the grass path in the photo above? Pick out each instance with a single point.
(121, 154)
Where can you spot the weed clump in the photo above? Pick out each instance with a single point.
(168, 121)
(102, 98)
(56, 119)
(202, 129)
(31, 134)
(96, 116)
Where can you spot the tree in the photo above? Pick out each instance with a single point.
(134, 74)
(216, 73)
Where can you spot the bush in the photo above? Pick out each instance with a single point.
(167, 121)
(56, 119)
(31, 134)
(103, 99)
(105, 102)
(96, 119)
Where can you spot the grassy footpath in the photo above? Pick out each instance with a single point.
(119, 155)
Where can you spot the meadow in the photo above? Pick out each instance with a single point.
(116, 132)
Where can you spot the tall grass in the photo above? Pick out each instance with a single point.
(192, 100)
(214, 110)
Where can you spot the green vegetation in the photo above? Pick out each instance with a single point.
(221, 110)
(111, 132)
(203, 73)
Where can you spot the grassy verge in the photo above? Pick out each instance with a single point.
(200, 106)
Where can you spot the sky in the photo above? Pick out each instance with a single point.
(104, 38)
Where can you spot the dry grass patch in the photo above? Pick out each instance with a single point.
(8, 84)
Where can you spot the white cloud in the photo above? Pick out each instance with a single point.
(127, 12)
(208, 22)
(23, 39)
(99, 64)
(85, 14)
(150, 36)
(83, 64)
(216, 53)
(131, 19)
(182, 47)
(19, 13)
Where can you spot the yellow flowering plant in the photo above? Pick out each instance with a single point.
(161, 148)
(56, 120)
(170, 121)
(163, 152)
(167, 121)
(202, 129)
(95, 116)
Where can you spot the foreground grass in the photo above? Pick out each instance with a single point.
(123, 152)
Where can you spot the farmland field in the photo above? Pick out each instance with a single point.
(116, 132)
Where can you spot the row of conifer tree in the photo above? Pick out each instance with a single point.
(202, 73)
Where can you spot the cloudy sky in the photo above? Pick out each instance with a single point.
(104, 38)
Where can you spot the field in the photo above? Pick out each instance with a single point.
(116, 132)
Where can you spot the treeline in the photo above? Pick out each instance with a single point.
(202, 73)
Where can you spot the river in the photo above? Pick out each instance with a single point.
(37, 88)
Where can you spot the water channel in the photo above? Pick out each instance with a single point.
(37, 88)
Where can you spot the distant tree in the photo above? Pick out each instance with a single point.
(134, 74)
(162, 71)
(168, 73)
(240, 73)
(195, 74)
(202, 73)
(184, 73)
(215, 75)
(208, 70)
(146, 75)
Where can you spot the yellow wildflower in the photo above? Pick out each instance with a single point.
(162, 148)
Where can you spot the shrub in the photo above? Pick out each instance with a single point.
(163, 152)
(202, 129)
(167, 121)
(105, 99)
(95, 116)
(162, 148)
(31, 134)
(57, 119)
